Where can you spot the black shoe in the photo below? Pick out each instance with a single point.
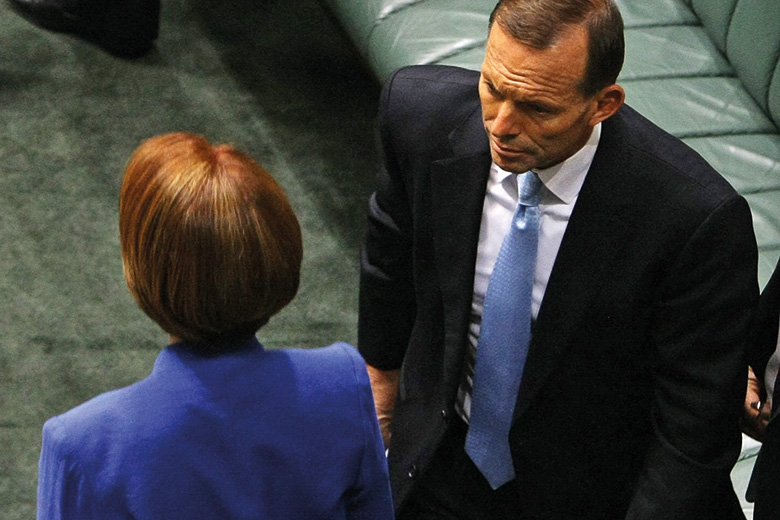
(125, 28)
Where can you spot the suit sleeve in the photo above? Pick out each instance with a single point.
(387, 303)
(700, 325)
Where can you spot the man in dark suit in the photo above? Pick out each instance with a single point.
(643, 286)
(762, 404)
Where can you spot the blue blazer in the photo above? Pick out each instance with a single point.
(250, 434)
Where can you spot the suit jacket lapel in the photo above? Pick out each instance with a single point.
(458, 191)
(592, 241)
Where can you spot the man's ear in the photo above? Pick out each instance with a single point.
(608, 101)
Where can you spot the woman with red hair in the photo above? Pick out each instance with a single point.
(222, 428)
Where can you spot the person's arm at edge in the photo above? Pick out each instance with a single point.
(755, 415)
(761, 347)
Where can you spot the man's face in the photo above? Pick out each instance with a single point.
(532, 108)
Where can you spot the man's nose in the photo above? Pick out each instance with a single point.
(507, 121)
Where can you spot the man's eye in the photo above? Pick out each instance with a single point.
(541, 110)
(491, 89)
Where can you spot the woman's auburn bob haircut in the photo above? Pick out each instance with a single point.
(210, 245)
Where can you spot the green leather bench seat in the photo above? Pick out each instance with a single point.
(393, 33)
(407, 34)
(672, 52)
(638, 13)
(702, 106)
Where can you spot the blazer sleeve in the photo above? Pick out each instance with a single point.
(370, 497)
(387, 303)
(700, 325)
(62, 489)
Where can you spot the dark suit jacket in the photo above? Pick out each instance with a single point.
(283, 434)
(765, 483)
(631, 396)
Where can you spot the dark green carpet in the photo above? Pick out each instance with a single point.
(275, 78)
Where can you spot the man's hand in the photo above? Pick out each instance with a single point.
(755, 413)
(384, 384)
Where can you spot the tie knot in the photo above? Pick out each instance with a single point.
(529, 191)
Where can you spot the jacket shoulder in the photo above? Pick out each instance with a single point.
(425, 98)
(338, 365)
(440, 74)
(657, 156)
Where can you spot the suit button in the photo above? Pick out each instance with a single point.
(444, 414)
(412, 471)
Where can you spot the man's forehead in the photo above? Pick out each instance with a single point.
(509, 60)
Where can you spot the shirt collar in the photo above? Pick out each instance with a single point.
(565, 179)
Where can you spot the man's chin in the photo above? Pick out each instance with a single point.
(512, 164)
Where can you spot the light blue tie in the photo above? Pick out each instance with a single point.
(504, 337)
